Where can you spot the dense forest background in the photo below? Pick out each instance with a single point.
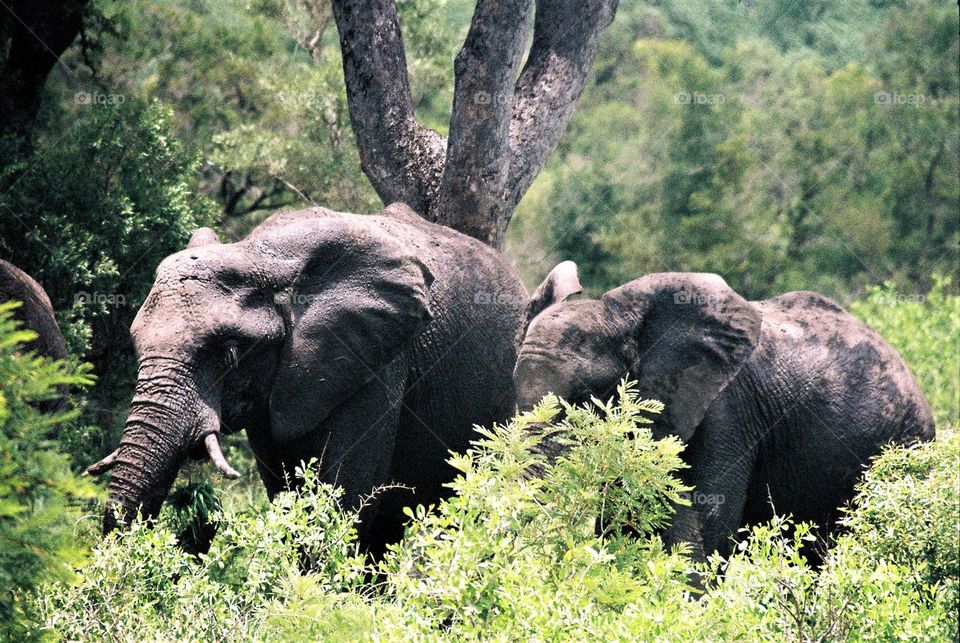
(782, 144)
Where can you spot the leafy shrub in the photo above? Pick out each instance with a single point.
(925, 329)
(195, 515)
(141, 585)
(912, 490)
(37, 488)
(516, 556)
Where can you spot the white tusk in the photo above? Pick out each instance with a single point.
(107, 463)
(216, 455)
(232, 357)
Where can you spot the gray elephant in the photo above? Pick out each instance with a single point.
(781, 402)
(373, 343)
(36, 311)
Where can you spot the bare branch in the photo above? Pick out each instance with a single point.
(402, 159)
(307, 21)
(476, 172)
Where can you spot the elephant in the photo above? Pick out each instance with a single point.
(35, 313)
(780, 403)
(373, 343)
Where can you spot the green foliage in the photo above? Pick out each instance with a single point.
(472, 567)
(38, 490)
(195, 509)
(256, 89)
(783, 145)
(906, 516)
(925, 330)
(140, 585)
(514, 555)
(90, 215)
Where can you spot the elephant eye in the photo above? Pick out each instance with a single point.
(231, 354)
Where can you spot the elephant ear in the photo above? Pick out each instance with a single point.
(692, 336)
(358, 300)
(562, 282)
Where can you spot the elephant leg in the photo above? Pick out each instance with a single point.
(270, 470)
(355, 447)
(685, 528)
(720, 466)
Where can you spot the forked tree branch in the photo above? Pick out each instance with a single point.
(477, 168)
(503, 125)
(566, 37)
(402, 159)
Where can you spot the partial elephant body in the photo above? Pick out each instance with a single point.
(371, 343)
(456, 373)
(820, 395)
(36, 313)
(781, 402)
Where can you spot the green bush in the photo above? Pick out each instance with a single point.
(38, 491)
(141, 585)
(516, 556)
(925, 330)
(784, 145)
(906, 514)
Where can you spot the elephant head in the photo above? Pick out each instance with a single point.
(290, 320)
(682, 336)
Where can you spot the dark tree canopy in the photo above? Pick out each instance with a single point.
(505, 120)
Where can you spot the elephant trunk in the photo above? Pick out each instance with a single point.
(169, 415)
(535, 376)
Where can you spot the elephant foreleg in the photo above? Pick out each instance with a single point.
(354, 447)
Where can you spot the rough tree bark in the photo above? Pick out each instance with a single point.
(505, 121)
(33, 35)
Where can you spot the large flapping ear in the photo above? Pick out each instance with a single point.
(359, 298)
(692, 335)
(559, 284)
(203, 237)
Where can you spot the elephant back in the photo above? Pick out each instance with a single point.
(36, 312)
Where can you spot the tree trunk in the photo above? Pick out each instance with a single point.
(503, 126)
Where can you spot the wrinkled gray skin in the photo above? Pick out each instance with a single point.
(35, 313)
(781, 401)
(372, 343)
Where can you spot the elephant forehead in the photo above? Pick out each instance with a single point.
(566, 323)
(206, 260)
